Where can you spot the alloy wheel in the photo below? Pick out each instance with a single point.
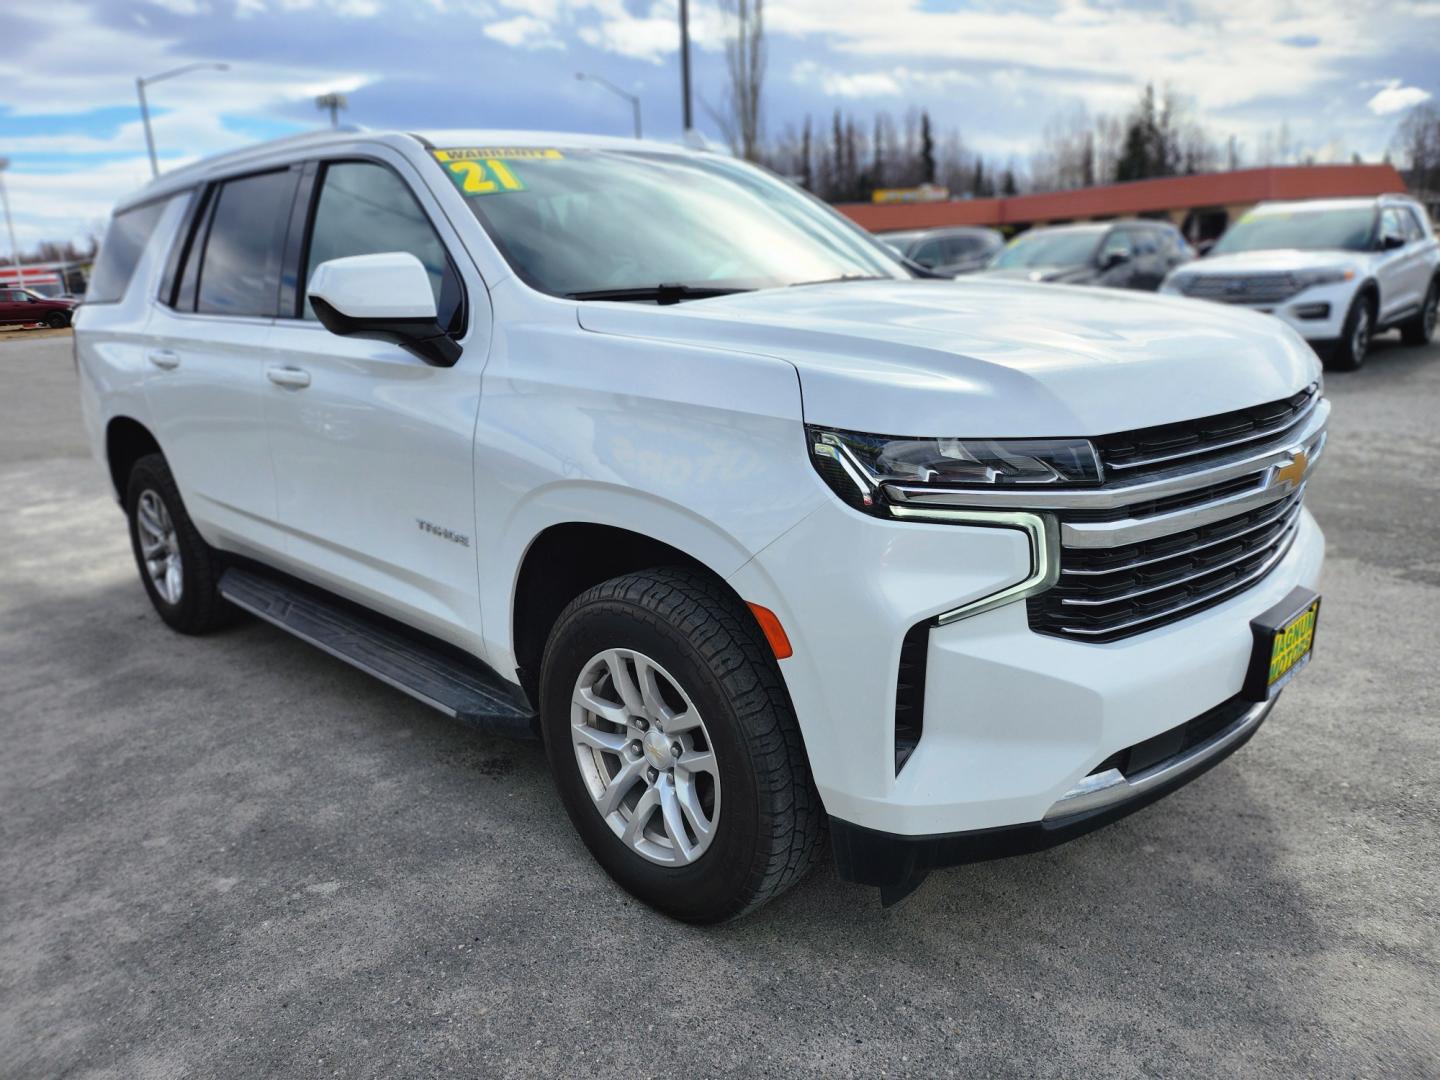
(1360, 336)
(159, 546)
(645, 757)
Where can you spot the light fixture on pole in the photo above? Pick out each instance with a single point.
(634, 101)
(10, 226)
(141, 83)
(689, 120)
(333, 102)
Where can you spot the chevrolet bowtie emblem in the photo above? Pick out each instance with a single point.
(1293, 470)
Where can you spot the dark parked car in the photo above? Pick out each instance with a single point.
(24, 306)
(1118, 254)
(946, 251)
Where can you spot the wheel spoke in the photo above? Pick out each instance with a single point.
(670, 814)
(689, 800)
(640, 816)
(150, 547)
(685, 721)
(608, 711)
(624, 684)
(620, 785)
(610, 742)
(693, 761)
(145, 512)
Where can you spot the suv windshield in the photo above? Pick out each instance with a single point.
(579, 222)
(1059, 248)
(1308, 230)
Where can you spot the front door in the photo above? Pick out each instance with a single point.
(1397, 265)
(373, 447)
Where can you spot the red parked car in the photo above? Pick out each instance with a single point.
(24, 306)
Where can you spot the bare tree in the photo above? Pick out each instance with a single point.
(1417, 147)
(741, 117)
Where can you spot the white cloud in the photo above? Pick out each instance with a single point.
(524, 32)
(1395, 98)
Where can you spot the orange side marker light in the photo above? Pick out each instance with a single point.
(774, 632)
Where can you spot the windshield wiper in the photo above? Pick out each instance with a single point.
(845, 277)
(660, 294)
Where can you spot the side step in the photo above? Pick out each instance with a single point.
(429, 671)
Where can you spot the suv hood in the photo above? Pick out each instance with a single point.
(1273, 259)
(977, 357)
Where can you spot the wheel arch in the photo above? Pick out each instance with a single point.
(127, 440)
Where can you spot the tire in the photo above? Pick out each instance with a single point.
(57, 320)
(1421, 329)
(709, 661)
(1348, 354)
(184, 593)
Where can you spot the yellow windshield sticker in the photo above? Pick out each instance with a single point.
(487, 176)
(498, 153)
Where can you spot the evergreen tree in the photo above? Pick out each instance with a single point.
(927, 149)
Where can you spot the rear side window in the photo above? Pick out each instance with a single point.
(365, 209)
(239, 271)
(125, 241)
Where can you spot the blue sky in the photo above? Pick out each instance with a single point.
(1339, 74)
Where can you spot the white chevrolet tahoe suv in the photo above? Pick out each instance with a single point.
(648, 454)
(1339, 271)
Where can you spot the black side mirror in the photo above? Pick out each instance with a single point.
(1389, 242)
(1114, 259)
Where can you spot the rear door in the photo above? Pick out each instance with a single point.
(1399, 265)
(208, 353)
(373, 449)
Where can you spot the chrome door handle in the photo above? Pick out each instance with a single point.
(163, 359)
(293, 377)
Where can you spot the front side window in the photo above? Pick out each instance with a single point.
(1117, 243)
(1346, 229)
(366, 209)
(929, 254)
(120, 252)
(1392, 226)
(578, 222)
(240, 268)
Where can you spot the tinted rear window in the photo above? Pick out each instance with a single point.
(240, 268)
(124, 243)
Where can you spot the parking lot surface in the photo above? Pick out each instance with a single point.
(236, 856)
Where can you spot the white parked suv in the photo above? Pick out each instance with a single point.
(1338, 270)
(651, 455)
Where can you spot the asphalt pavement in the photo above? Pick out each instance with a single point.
(235, 856)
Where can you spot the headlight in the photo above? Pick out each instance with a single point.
(1308, 278)
(857, 467)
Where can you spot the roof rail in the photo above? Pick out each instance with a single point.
(253, 150)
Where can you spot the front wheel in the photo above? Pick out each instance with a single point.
(179, 570)
(674, 746)
(1421, 329)
(1348, 354)
(57, 320)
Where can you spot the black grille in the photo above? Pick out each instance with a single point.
(1168, 744)
(1112, 593)
(1130, 455)
(1242, 288)
(910, 693)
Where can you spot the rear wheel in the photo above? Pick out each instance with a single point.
(1421, 329)
(1349, 352)
(674, 746)
(178, 569)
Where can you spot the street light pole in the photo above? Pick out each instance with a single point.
(144, 81)
(685, 64)
(10, 226)
(634, 101)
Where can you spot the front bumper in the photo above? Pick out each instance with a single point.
(897, 864)
(1013, 720)
(1317, 314)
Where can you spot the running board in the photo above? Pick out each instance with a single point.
(434, 673)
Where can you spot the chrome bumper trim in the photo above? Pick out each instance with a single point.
(1112, 787)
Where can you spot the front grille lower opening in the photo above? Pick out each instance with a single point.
(1150, 752)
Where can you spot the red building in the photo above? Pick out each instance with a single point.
(1201, 205)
